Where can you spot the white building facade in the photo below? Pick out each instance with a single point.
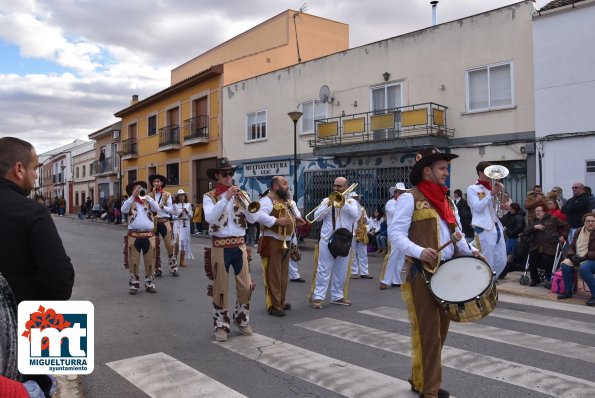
(564, 57)
(465, 86)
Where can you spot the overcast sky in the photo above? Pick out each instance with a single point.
(67, 65)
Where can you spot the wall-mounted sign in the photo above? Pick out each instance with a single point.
(279, 167)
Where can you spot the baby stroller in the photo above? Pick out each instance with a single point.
(524, 279)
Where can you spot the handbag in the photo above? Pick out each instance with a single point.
(339, 244)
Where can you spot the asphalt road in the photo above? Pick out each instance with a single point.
(532, 349)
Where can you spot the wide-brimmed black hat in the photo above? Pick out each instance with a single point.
(425, 158)
(221, 165)
(158, 177)
(132, 184)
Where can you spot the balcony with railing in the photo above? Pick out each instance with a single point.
(169, 137)
(58, 178)
(196, 130)
(411, 127)
(104, 167)
(130, 148)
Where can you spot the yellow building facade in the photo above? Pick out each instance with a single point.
(174, 133)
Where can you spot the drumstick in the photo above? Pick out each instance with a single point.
(454, 238)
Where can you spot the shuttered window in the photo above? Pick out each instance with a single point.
(490, 87)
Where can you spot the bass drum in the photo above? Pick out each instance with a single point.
(465, 289)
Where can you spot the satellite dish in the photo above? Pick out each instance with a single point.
(324, 93)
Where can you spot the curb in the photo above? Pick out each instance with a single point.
(69, 387)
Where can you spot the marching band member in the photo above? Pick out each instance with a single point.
(393, 260)
(182, 211)
(164, 200)
(359, 265)
(489, 232)
(228, 220)
(278, 221)
(141, 237)
(425, 219)
(325, 263)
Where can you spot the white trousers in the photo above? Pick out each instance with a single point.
(359, 266)
(329, 268)
(294, 272)
(494, 251)
(391, 272)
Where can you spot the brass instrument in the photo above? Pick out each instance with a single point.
(246, 202)
(281, 209)
(335, 199)
(142, 194)
(361, 231)
(495, 173)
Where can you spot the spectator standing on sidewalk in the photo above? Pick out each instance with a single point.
(197, 217)
(36, 267)
(62, 206)
(576, 207)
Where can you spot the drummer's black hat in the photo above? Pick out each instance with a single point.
(425, 158)
(158, 177)
(131, 185)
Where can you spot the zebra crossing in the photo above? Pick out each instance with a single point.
(173, 378)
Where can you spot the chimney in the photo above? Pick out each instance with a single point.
(134, 100)
(434, 12)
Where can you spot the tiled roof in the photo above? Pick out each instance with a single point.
(558, 3)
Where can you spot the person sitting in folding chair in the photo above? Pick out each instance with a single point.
(544, 237)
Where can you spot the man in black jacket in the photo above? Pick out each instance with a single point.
(576, 207)
(36, 266)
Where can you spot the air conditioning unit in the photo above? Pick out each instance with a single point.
(116, 135)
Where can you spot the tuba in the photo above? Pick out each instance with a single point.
(496, 173)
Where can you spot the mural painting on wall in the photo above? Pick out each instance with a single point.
(254, 178)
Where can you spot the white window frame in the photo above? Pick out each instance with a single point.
(385, 87)
(316, 115)
(248, 129)
(489, 108)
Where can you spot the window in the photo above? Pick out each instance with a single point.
(173, 174)
(84, 168)
(386, 97)
(76, 198)
(152, 125)
(77, 172)
(312, 110)
(489, 87)
(131, 176)
(257, 126)
(590, 180)
(83, 197)
(91, 169)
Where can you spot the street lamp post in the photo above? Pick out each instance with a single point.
(295, 116)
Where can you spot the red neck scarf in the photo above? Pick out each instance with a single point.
(137, 200)
(485, 184)
(158, 190)
(436, 194)
(220, 188)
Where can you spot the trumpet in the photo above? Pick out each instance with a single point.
(335, 199)
(142, 194)
(495, 173)
(246, 202)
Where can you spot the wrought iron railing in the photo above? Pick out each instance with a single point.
(106, 165)
(169, 135)
(382, 125)
(130, 146)
(196, 127)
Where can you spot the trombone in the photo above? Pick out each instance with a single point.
(246, 202)
(495, 173)
(335, 199)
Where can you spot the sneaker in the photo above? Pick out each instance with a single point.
(151, 289)
(383, 286)
(395, 284)
(220, 334)
(342, 301)
(317, 304)
(245, 330)
(158, 272)
(299, 280)
(367, 276)
(564, 295)
(133, 290)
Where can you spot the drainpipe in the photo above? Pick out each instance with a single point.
(434, 12)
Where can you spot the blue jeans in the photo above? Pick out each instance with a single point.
(511, 246)
(381, 242)
(586, 269)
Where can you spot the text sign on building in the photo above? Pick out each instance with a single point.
(280, 167)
